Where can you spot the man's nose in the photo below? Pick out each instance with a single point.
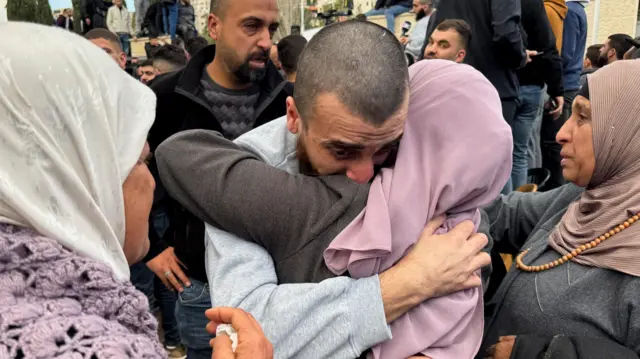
(361, 171)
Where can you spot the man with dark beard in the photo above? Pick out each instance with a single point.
(230, 87)
(414, 42)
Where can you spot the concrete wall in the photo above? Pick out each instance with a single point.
(616, 16)
(3, 10)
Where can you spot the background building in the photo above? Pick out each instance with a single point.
(607, 17)
(3, 11)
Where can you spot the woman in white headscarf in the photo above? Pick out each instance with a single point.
(75, 196)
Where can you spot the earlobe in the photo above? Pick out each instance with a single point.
(293, 117)
(212, 26)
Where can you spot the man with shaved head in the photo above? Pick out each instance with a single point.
(230, 87)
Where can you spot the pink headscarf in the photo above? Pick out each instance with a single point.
(454, 157)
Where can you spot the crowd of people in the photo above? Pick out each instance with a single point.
(349, 196)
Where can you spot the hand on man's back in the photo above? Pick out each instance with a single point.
(437, 265)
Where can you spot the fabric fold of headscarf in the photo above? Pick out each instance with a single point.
(454, 157)
(613, 195)
(73, 126)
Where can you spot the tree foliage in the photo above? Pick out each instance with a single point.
(21, 10)
(44, 15)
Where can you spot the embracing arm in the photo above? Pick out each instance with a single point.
(235, 191)
(339, 317)
(512, 218)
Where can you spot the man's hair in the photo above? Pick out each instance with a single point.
(621, 43)
(218, 7)
(461, 27)
(289, 50)
(426, 2)
(593, 54)
(145, 63)
(361, 17)
(172, 54)
(104, 34)
(195, 44)
(361, 63)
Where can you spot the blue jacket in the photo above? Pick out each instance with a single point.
(574, 42)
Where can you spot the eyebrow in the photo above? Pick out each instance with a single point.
(343, 145)
(443, 42)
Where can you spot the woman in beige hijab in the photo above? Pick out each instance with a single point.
(574, 290)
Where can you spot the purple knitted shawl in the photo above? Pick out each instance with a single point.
(57, 304)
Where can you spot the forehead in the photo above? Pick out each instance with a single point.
(146, 68)
(332, 121)
(104, 44)
(448, 35)
(265, 10)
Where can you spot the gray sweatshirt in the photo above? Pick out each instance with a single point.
(336, 318)
(571, 300)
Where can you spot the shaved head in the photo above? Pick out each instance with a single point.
(218, 7)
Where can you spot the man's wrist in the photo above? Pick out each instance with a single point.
(400, 292)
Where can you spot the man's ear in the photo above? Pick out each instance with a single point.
(122, 60)
(213, 26)
(461, 55)
(293, 117)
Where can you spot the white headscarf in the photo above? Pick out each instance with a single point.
(72, 126)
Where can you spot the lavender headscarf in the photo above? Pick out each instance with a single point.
(454, 157)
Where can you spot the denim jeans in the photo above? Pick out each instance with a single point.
(141, 10)
(170, 18)
(390, 13)
(534, 151)
(124, 41)
(159, 296)
(526, 111)
(190, 308)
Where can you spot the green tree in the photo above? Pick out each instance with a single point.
(21, 10)
(44, 15)
(77, 16)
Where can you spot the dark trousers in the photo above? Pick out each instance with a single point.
(549, 147)
(509, 107)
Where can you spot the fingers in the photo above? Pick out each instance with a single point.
(175, 268)
(479, 261)
(464, 231)
(222, 347)
(508, 338)
(174, 282)
(474, 281)
(476, 242)
(433, 225)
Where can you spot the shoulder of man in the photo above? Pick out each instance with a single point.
(273, 144)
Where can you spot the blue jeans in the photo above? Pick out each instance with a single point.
(192, 323)
(390, 13)
(170, 19)
(523, 122)
(124, 42)
(535, 153)
(159, 296)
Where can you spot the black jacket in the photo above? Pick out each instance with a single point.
(545, 68)
(181, 107)
(561, 347)
(496, 49)
(153, 20)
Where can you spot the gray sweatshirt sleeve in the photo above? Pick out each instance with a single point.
(230, 188)
(337, 318)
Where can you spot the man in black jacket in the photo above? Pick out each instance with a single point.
(390, 9)
(231, 88)
(545, 68)
(497, 49)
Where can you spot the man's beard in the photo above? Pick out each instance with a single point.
(246, 74)
(603, 61)
(420, 14)
(306, 168)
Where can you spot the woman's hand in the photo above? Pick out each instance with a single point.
(252, 343)
(502, 349)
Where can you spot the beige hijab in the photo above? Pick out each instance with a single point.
(614, 192)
